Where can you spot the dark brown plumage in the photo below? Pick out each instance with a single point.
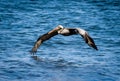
(43, 38)
(65, 32)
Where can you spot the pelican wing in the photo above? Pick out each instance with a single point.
(43, 38)
(87, 38)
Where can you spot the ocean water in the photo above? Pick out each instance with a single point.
(61, 58)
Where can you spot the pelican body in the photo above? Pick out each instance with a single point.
(65, 32)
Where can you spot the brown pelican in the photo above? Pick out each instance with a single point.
(65, 32)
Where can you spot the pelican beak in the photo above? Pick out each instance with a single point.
(59, 28)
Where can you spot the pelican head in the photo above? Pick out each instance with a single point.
(60, 28)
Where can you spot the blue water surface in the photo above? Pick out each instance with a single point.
(61, 58)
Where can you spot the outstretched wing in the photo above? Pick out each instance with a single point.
(87, 38)
(43, 38)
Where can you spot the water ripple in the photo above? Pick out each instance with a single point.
(61, 58)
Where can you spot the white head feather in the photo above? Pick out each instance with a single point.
(60, 26)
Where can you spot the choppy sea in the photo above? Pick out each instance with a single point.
(61, 58)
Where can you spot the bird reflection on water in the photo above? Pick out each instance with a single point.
(35, 57)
